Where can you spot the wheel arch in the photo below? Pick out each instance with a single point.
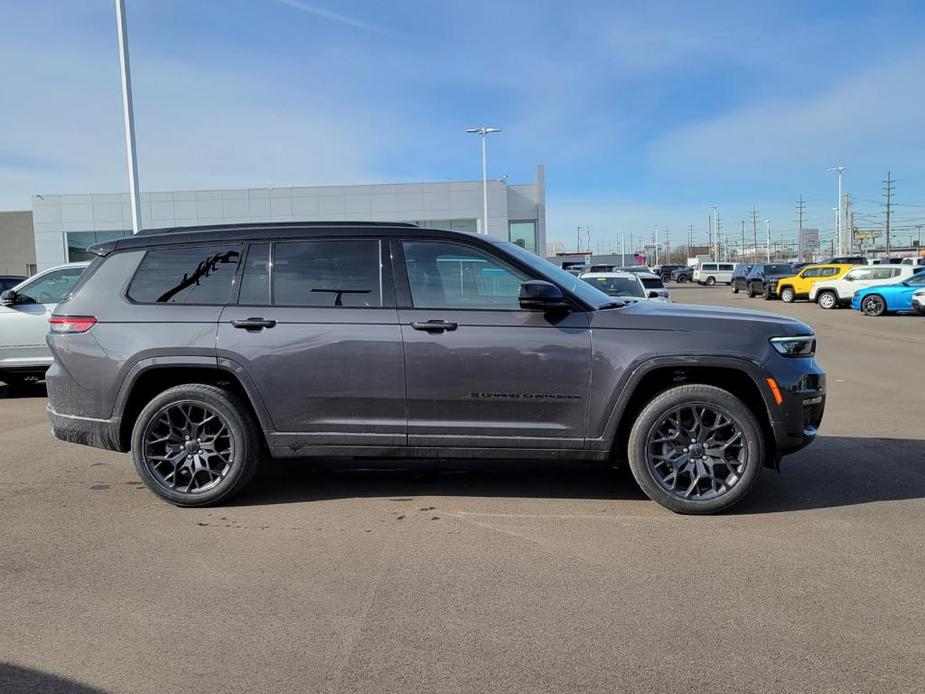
(738, 376)
(147, 380)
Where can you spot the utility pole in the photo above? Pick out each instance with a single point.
(801, 207)
(743, 240)
(838, 227)
(768, 224)
(128, 113)
(690, 239)
(846, 228)
(888, 195)
(578, 241)
(714, 248)
(622, 249)
(755, 232)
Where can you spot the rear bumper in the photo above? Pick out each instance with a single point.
(88, 431)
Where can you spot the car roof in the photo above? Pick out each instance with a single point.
(624, 275)
(253, 231)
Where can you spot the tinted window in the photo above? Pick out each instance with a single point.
(449, 275)
(881, 273)
(708, 266)
(812, 272)
(327, 273)
(190, 275)
(616, 286)
(828, 271)
(255, 282)
(652, 283)
(779, 269)
(51, 288)
(726, 267)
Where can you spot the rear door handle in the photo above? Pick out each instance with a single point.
(253, 324)
(433, 326)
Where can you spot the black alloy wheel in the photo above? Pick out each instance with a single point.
(696, 449)
(195, 445)
(873, 305)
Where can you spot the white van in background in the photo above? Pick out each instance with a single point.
(709, 273)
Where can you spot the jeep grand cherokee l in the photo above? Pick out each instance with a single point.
(200, 350)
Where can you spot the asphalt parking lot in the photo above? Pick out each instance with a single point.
(472, 577)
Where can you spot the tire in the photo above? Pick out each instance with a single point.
(750, 292)
(827, 300)
(873, 305)
(710, 281)
(240, 445)
(666, 278)
(682, 279)
(766, 293)
(748, 456)
(735, 289)
(787, 295)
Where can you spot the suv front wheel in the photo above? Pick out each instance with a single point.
(696, 449)
(195, 445)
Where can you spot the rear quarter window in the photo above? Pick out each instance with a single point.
(200, 275)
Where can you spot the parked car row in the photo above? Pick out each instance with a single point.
(873, 289)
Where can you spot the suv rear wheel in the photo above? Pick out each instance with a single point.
(827, 300)
(195, 445)
(696, 449)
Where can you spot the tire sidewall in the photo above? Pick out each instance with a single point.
(827, 296)
(787, 295)
(881, 305)
(227, 408)
(711, 281)
(680, 396)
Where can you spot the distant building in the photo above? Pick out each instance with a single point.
(65, 225)
(17, 243)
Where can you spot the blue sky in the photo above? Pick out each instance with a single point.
(643, 113)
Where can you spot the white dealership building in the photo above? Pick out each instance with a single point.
(65, 225)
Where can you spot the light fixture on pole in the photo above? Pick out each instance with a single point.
(839, 232)
(483, 132)
(128, 113)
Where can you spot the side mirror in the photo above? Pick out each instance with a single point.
(654, 294)
(537, 295)
(8, 298)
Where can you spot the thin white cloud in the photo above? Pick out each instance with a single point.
(336, 17)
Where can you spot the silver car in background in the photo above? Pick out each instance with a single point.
(24, 313)
(631, 286)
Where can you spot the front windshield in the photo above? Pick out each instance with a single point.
(616, 286)
(567, 281)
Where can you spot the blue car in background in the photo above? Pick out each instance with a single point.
(876, 301)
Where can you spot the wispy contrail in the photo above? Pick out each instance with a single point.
(336, 17)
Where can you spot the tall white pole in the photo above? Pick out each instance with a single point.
(128, 113)
(623, 249)
(768, 224)
(484, 183)
(841, 231)
(714, 250)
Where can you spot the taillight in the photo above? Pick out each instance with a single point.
(71, 324)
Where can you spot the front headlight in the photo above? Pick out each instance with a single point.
(798, 346)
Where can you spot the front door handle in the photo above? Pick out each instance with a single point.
(253, 324)
(433, 326)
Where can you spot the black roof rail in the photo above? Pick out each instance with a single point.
(275, 225)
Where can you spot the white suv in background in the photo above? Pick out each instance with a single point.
(834, 293)
(24, 313)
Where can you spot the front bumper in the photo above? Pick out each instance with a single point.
(796, 420)
(88, 431)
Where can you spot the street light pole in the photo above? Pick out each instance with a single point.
(838, 223)
(714, 249)
(128, 113)
(483, 132)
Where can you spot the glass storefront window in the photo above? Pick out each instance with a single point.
(523, 234)
(79, 241)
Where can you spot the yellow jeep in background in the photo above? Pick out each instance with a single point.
(797, 286)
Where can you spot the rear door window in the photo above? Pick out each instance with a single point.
(709, 267)
(198, 275)
(329, 273)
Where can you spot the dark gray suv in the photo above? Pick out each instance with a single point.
(202, 350)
